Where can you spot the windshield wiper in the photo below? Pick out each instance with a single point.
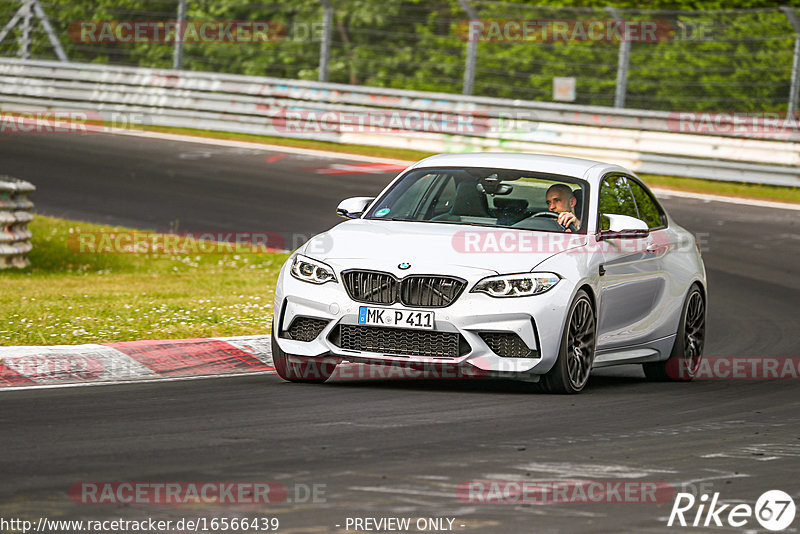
(438, 222)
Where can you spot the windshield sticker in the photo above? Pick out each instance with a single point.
(383, 212)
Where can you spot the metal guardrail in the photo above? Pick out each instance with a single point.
(645, 141)
(14, 218)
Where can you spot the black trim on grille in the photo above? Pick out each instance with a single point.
(400, 341)
(371, 287)
(507, 345)
(305, 328)
(417, 290)
(427, 291)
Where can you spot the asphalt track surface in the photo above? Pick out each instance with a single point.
(396, 448)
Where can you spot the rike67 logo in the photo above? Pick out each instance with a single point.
(774, 510)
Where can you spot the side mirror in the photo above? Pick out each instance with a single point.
(623, 227)
(353, 208)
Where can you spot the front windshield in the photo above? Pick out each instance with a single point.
(486, 197)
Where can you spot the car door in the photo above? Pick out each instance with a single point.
(632, 282)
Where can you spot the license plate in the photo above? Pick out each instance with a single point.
(422, 320)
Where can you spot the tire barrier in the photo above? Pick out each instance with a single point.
(14, 218)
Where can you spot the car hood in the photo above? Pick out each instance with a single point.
(432, 248)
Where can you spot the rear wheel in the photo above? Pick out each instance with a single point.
(684, 361)
(576, 354)
(300, 368)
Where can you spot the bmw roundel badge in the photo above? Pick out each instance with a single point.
(404, 266)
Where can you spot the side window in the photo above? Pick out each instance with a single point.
(442, 202)
(615, 198)
(408, 203)
(649, 211)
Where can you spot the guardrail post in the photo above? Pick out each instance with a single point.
(177, 55)
(623, 61)
(14, 218)
(795, 83)
(51, 34)
(26, 12)
(472, 48)
(25, 38)
(325, 45)
(10, 24)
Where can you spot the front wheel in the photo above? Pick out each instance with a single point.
(684, 361)
(576, 354)
(299, 368)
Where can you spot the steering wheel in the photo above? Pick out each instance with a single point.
(554, 215)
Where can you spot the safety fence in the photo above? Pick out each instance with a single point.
(14, 218)
(642, 58)
(756, 149)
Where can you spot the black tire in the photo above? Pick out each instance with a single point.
(299, 368)
(687, 352)
(571, 371)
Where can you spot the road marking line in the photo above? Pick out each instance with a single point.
(359, 168)
(257, 146)
(374, 159)
(731, 200)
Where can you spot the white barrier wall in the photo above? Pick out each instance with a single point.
(645, 141)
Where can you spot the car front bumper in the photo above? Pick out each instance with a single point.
(538, 320)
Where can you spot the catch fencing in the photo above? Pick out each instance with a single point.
(672, 60)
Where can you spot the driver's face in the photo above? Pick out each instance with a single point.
(556, 202)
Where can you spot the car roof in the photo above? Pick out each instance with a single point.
(575, 167)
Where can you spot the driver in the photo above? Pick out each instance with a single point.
(561, 200)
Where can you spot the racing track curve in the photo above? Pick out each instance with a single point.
(395, 448)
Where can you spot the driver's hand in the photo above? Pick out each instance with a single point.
(565, 218)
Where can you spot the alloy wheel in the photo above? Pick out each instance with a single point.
(580, 343)
(694, 334)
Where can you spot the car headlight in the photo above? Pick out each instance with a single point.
(312, 271)
(517, 285)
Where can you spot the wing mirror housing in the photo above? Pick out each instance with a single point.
(623, 227)
(353, 208)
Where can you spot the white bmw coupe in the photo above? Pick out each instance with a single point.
(521, 266)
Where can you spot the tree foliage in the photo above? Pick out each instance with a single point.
(721, 56)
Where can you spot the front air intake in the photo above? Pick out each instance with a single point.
(305, 328)
(507, 345)
(399, 341)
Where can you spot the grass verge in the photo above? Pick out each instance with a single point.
(727, 189)
(67, 297)
(714, 187)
